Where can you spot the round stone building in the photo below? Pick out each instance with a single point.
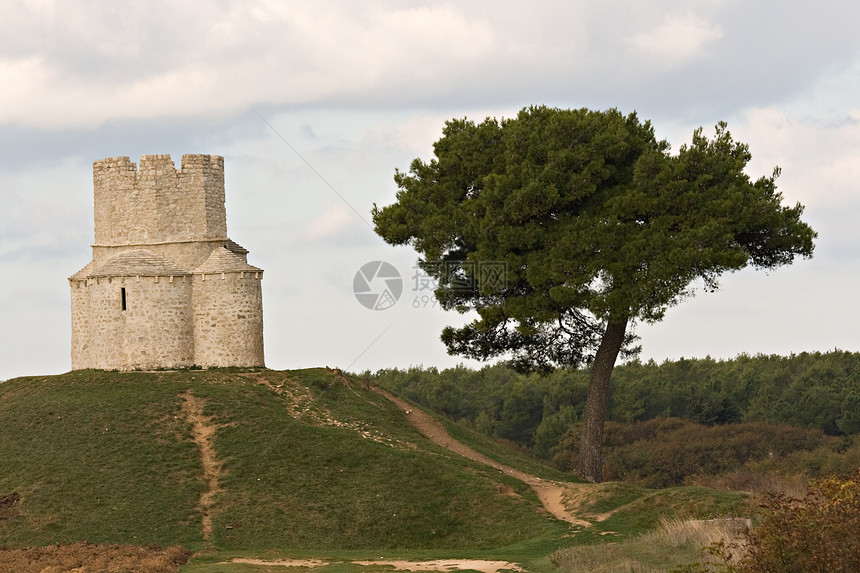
(166, 287)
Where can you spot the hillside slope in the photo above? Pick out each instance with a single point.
(242, 460)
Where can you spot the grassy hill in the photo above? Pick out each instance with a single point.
(306, 462)
(300, 463)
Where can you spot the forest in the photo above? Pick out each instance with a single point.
(703, 421)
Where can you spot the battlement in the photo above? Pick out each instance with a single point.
(192, 163)
(156, 202)
(119, 163)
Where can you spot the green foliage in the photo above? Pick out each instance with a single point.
(705, 391)
(521, 413)
(507, 453)
(849, 419)
(562, 228)
(730, 416)
(551, 429)
(592, 220)
(814, 534)
(670, 452)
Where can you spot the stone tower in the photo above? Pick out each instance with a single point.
(166, 287)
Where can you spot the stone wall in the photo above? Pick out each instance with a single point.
(81, 349)
(191, 298)
(158, 203)
(154, 330)
(228, 319)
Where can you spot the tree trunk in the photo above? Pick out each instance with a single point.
(591, 444)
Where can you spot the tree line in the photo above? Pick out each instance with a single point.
(808, 390)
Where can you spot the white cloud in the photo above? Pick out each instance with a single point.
(335, 220)
(231, 59)
(679, 39)
(24, 81)
(74, 64)
(818, 160)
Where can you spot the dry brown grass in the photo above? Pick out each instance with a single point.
(83, 557)
(755, 482)
(675, 543)
(700, 532)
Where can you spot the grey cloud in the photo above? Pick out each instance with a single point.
(346, 96)
(347, 56)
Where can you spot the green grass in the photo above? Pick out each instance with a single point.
(108, 457)
(310, 468)
(97, 456)
(503, 453)
(644, 513)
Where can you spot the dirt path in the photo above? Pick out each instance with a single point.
(203, 432)
(481, 565)
(551, 493)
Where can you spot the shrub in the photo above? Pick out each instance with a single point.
(816, 533)
(666, 452)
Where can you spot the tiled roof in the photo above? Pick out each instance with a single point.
(222, 260)
(83, 273)
(235, 247)
(137, 262)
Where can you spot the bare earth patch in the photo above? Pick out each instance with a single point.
(448, 565)
(9, 504)
(307, 563)
(399, 565)
(204, 434)
(577, 495)
(302, 405)
(83, 557)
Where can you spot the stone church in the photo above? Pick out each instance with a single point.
(166, 287)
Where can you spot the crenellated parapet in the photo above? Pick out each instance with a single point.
(157, 202)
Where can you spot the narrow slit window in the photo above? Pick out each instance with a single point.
(122, 295)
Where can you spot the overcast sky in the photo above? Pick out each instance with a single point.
(314, 104)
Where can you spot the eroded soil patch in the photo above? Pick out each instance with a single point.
(9, 503)
(83, 557)
(203, 431)
(302, 405)
(398, 565)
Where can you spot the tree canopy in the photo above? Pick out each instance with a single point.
(593, 223)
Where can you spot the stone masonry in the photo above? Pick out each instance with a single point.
(166, 287)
